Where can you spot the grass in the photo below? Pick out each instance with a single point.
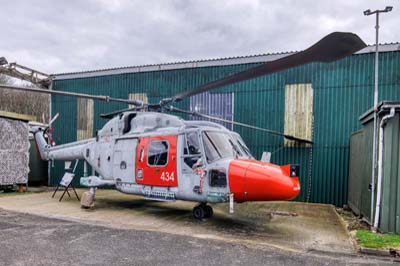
(369, 239)
(6, 194)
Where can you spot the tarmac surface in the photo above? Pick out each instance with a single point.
(289, 226)
(34, 240)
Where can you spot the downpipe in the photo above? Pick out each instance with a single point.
(380, 168)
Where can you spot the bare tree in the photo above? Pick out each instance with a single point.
(23, 102)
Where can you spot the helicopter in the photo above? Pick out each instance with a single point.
(146, 151)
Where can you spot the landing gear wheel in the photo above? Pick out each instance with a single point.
(198, 212)
(202, 211)
(208, 211)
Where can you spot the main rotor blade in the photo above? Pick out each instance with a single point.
(289, 137)
(145, 107)
(74, 94)
(330, 48)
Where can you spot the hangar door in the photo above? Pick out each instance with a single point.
(215, 104)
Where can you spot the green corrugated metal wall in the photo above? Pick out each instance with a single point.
(390, 208)
(343, 90)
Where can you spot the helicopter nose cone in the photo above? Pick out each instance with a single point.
(251, 180)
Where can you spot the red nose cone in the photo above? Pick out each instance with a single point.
(251, 180)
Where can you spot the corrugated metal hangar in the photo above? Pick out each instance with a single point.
(318, 102)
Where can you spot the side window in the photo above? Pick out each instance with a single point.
(217, 178)
(158, 153)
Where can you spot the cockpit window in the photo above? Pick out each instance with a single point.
(192, 145)
(218, 145)
(192, 150)
(237, 151)
(242, 145)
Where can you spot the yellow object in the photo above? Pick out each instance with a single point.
(17, 116)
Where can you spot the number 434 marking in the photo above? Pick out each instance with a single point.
(167, 176)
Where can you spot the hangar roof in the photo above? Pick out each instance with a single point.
(386, 47)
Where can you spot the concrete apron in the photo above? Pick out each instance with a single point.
(291, 226)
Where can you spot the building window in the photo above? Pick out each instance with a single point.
(85, 110)
(298, 112)
(220, 105)
(138, 97)
(158, 153)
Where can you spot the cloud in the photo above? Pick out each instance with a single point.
(63, 36)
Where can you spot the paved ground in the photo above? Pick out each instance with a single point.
(288, 226)
(34, 240)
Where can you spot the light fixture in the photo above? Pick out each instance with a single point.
(367, 12)
(3, 61)
(388, 8)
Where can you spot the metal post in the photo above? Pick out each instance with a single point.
(48, 163)
(85, 171)
(231, 203)
(376, 98)
(376, 95)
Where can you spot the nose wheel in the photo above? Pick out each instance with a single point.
(202, 211)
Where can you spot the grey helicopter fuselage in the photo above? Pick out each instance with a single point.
(164, 157)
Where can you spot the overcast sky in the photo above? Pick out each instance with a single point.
(64, 36)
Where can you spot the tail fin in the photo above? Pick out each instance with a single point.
(41, 142)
